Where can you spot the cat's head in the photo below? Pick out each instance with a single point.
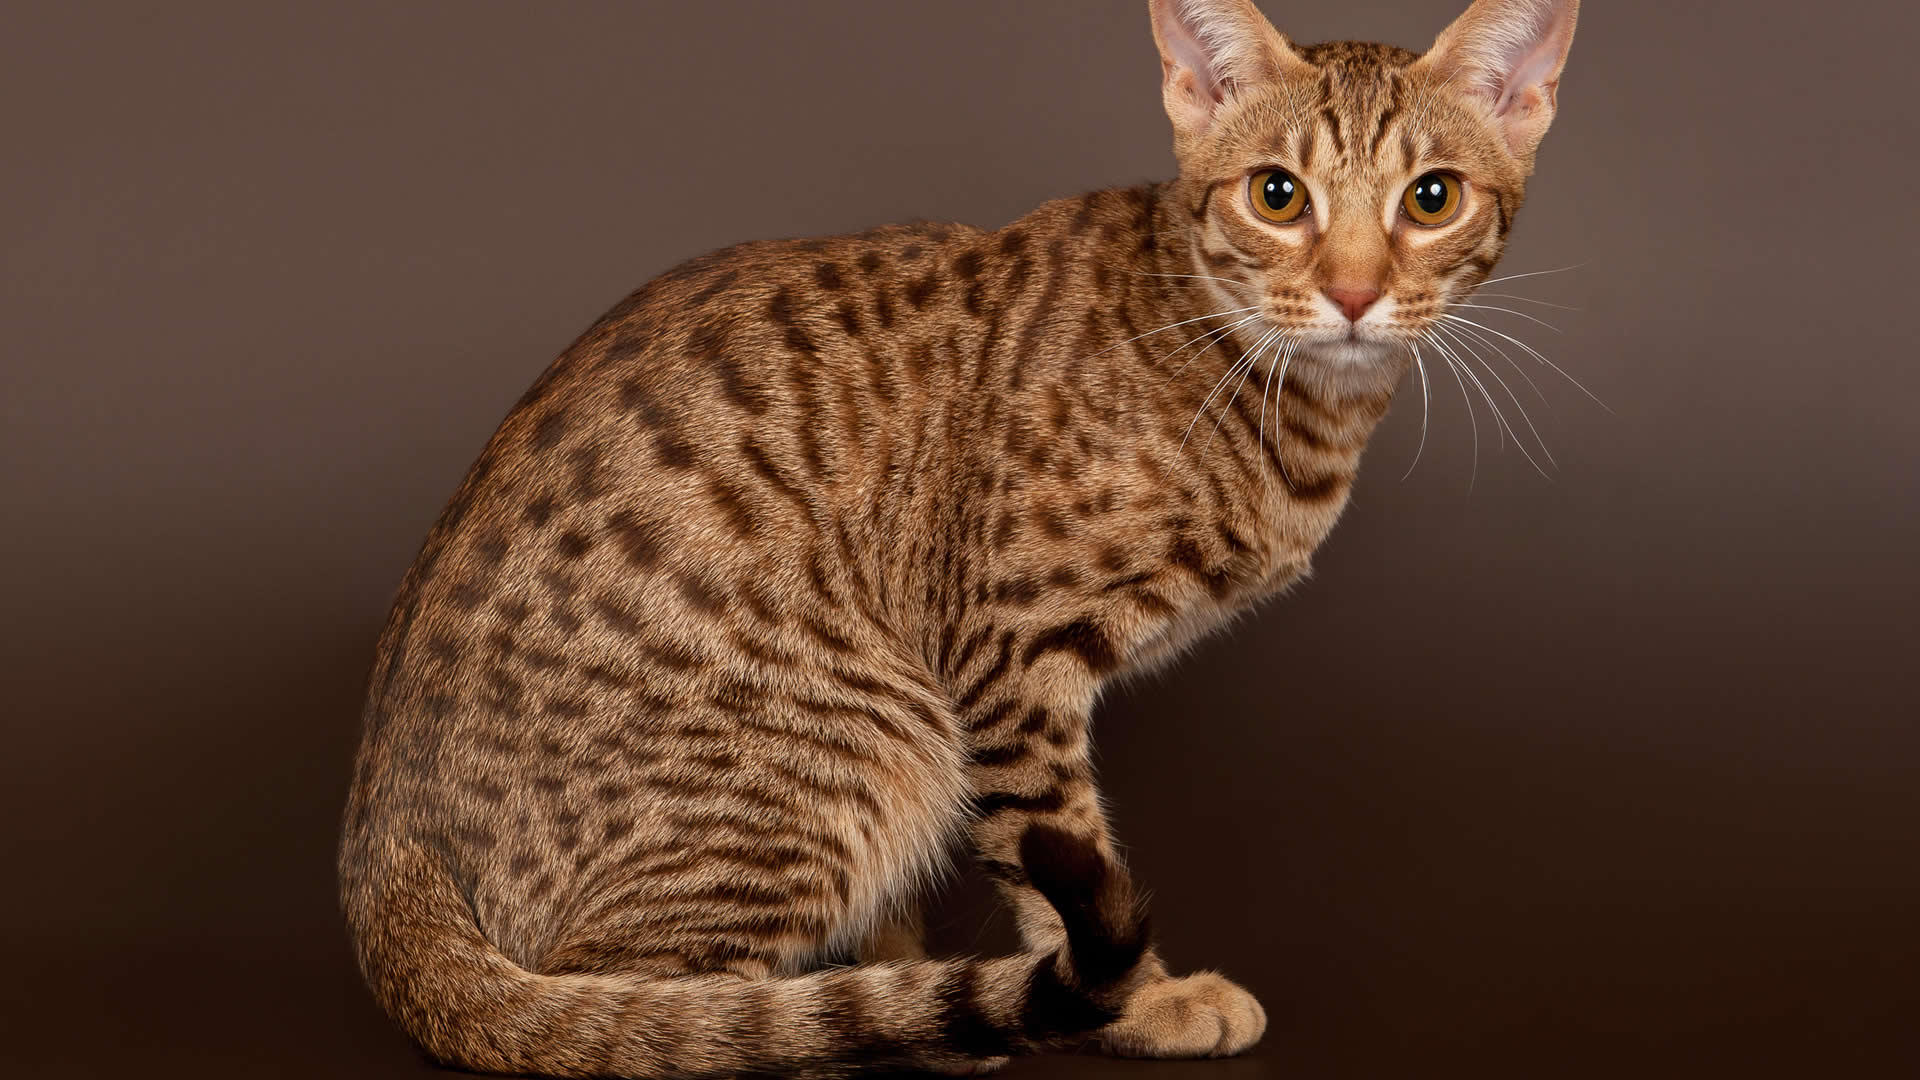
(1348, 192)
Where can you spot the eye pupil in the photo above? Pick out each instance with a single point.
(1277, 196)
(1279, 191)
(1430, 194)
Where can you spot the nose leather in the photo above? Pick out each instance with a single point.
(1353, 302)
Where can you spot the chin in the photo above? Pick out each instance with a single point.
(1363, 352)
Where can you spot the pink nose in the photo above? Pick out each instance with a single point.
(1354, 302)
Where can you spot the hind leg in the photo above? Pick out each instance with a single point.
(1029, 748)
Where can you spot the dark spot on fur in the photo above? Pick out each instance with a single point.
(549, 429)
(540, 510)
(922, 290)
(639, 540)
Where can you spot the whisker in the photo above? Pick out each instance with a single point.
(1471, 419)
(1542, 443)
(1282, 341)
(1463, 332)
(1425, 406)
(1510, 311)
(1202, 336)
(1232, 369)
(1535, 353)
(1196, 277)
(1251, 364)
(1536, 273)
(1499, 424)
(1500, 415)
(1506, 310)
(1288, 344)
(1220, 384)
(1170, 326)
(1293, 347)
(1223, 333)
(1527, 300)
(1264, 393)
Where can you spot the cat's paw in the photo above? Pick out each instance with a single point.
(1199, 1015)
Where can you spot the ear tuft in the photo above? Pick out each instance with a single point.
(1508, 55)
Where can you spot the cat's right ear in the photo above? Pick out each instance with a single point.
(1211, 50)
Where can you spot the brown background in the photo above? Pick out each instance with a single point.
(1615, 771)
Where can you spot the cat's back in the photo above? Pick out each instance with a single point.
(682, 467)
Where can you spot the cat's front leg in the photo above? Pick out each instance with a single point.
(1030, 764)
(1186, 1016)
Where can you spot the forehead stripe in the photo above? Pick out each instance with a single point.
(1333, 124)
(1387, 114)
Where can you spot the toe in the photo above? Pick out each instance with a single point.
(1202, 1015)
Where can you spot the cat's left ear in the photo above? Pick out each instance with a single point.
(1507, 55)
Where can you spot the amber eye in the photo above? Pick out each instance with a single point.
(1277, 196)
(1433, 199)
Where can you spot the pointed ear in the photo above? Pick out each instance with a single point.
(1507, 54)
(1209, 51)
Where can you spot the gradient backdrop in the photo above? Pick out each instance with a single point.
(1614, 773)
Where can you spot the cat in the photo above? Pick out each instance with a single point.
(810, 559)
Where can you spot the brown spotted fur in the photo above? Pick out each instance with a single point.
(811, 558)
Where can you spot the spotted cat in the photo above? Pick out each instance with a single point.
(807, 562)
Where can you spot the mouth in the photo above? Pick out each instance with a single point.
(1349, 347)
(1346, 335)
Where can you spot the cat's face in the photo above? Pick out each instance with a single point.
(1346, 194)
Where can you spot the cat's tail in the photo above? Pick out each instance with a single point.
(468, 1005)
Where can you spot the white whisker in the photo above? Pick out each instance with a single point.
(1510, 311)
(1196, 277)
(1251, 364)
(1542, 443)
(1535, 353)
(1492, 344)
(1463, 333)
(1292, 348)
(1499, 424)
(1220, 384)
(1500, 415)
(1526, 300)
(1425, 407)
(1280, 342)
(1471, 418)
(1288, 344)
(1536, 273)
(1170, 326)
(1222, 334)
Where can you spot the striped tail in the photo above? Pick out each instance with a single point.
(470, 1006)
